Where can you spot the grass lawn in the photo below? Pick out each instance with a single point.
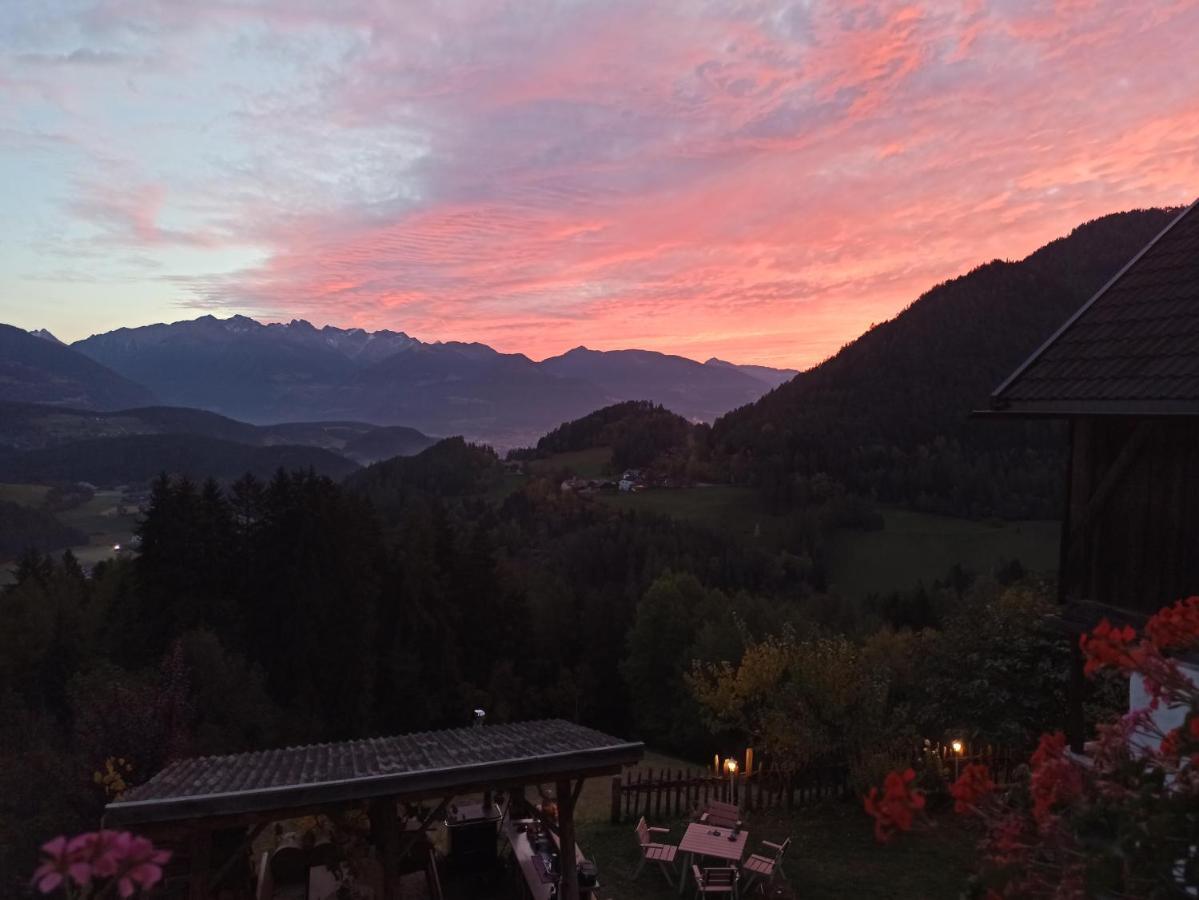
(590, 463)
(24, 494)
(833, 854)
(910, 548)
(99, 519)
(734, 510)
(915, 547)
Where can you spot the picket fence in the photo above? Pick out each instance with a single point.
(667, 793)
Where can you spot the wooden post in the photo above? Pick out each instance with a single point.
(615, 816)
(200, 852)
(1071, 565)
(566, 847)
(386, 826)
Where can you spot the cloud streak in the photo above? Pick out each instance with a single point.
(759, 181)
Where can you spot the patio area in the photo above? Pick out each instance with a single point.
(470, 812)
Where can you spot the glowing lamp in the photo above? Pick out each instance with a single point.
(957, 746)
(730, 766)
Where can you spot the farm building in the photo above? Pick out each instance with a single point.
(1124, 372)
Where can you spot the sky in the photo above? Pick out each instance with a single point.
(757, 181)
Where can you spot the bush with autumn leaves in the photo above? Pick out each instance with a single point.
(1121, 820)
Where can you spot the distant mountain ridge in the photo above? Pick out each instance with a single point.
(137, 458)
(38, 369)
(30, 426)
(264, 373)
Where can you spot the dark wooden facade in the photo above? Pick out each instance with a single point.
(1124, 372)
(1131, 536)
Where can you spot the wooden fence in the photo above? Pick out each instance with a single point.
(681, 792)
(667, 793)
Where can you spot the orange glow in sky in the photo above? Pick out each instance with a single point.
(755, 181)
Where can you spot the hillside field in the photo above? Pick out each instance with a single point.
(915, 547)
(99, 518)
(912, 547)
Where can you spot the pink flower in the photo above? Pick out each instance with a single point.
(62, 860)
(142, 864)
(132, 861)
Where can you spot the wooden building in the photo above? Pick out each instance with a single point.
(1124, 372)
(192, 802)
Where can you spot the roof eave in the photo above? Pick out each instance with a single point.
(411, 785)
(1077, 409)
(1036, 354)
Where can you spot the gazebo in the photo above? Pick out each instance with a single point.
(1124, 372)
(190, 799)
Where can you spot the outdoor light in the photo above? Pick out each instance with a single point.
(730, 766)
(957, 746)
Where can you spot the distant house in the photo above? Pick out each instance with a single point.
(1124, 372)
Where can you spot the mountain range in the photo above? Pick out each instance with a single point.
(887, 416)
(38, 369)
(270, 373)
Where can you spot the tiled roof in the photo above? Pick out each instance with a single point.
(1133, 348)
(411, 764)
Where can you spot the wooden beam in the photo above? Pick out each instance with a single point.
(413, 836)
(223, 872)
(1086, 507)
(386, 827)
(566, 848)
(200, 858)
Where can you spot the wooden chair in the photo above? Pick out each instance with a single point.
(722, 815)
(763, 868)
(714, 881)
(653, 850)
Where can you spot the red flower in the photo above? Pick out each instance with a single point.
(972, 786)
(1170, 744)
(896, 808)
(1175, 627)
(1056, 780)
(1107, 645)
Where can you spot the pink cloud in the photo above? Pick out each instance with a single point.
(758, 181)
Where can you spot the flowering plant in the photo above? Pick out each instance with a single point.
(99, 864)
(1121, 820)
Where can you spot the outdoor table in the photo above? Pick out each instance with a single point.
(705, 840)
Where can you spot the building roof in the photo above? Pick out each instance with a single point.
(1133, 348)
(410, 765)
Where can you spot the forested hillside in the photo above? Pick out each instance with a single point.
(25, 528)
(36, 370)
(136, 459)
(638, 432)
(889, 415)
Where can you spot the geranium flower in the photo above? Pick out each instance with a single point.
(1108, 645)
(1175, 627)
(972, 786)
(1055, 780)
(895, 809)
(141, 864)
(61, 861)
(133, 862)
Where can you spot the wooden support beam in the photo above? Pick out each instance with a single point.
(566, 832)
(200, 853)
(385, 825)
(223, 872)
(413, 836)
(1086, 505)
